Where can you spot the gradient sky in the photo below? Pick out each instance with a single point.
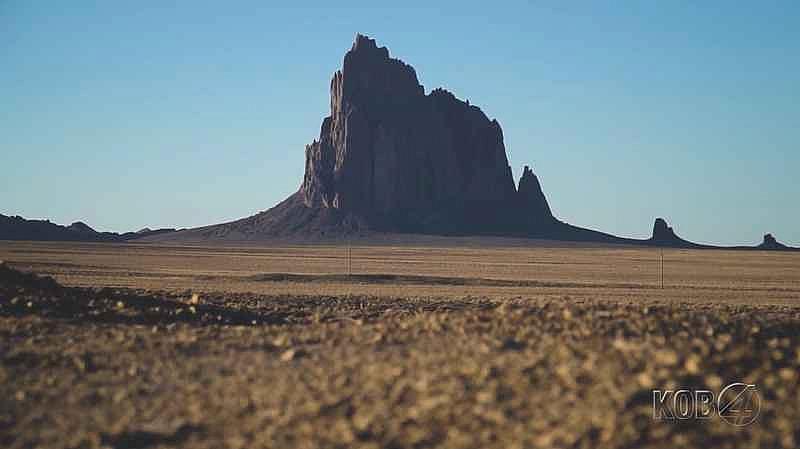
(133, 114)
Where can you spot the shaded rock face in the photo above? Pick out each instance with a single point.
(404, 160)
(81, 228)
(663, 235)
(771, 242)
(18, 228)
(663, 232)
(533, 204)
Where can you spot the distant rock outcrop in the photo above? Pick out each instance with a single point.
(663, 235)
(81, 228)
(770, 243)
(18, 228)
(662, 232)
(535, 211)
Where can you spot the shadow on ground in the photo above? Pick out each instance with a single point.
(27, 293)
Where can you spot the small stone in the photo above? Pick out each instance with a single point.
(645, 380)
(692, 364)
(666, 357)
(288, 355)
(713, 381)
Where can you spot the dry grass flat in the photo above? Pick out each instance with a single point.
(140, 346)
(613, 273)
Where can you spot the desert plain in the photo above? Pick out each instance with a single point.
(455, 343)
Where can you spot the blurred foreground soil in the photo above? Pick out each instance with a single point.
(125, 369)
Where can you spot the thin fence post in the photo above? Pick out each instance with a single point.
(662, 268)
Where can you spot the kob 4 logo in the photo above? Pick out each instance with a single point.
(738, 404)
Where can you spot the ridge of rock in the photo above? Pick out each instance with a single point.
(81, 228)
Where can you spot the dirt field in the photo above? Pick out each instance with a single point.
(156, 346)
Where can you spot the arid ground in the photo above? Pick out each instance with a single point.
(495, 345)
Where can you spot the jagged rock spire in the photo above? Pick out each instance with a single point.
(662, 232)
(531, 194)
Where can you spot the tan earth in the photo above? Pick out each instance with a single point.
(447, 343)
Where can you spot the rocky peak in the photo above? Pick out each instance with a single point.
(663, 232)
(770, 242)
(363, 43)
(531, 194)
(399, 158)
(370, 75)
(81, 227)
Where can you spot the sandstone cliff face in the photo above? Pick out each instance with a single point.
(402, 159)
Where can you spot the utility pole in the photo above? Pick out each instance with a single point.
(662, 268)
(349, 258)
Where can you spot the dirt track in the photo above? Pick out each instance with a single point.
(548, 365)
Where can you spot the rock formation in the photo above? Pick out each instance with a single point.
(662, 232)
(771, 243)
(402, 160)
(391, 158)
(663, 235)
(18, 228)
(82, 229)
(537, 218)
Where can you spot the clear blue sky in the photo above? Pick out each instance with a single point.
(133, 114)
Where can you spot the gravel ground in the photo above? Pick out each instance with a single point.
(121, 368)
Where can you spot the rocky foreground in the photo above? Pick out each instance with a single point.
(127, 369)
